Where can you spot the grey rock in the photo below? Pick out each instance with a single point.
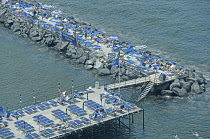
(191, 74)
(82, 60)
(70, 47)
(88, 67)
(167, 92)
(63, 46)
(195, 88)
(75, 56)
(80, 52)
(15, 29)
(104, 71)
(9, 21)
(89, 62)
(176, 83)
(186, 85)
(68, 54)
(113, 69)
(38, 38)
(200, 81)
(43, 40)
(17, 32)
(98, 64)
(73, 51)
(180, 91)
(34, 34)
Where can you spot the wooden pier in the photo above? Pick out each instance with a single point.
(108, 107)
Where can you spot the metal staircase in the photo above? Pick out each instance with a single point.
(145, 91)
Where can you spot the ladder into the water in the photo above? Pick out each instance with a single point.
(145, 91)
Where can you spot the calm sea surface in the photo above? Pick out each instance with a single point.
(175, 29)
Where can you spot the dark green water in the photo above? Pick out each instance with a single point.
(176, 29)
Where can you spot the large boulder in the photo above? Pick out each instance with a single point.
(186, 85)
(63, 46)
(104, 71)
(16, 28)
(176, 84)
(89, 62)
(196, 89)
(80, 52)
(167, 92)
(49, 40)
(38, 38)
(113, 69)
(34, 34)
(98, 64)
(75, 56)
(82, 60)
(191, 74)
(180, 91)
(88, 67)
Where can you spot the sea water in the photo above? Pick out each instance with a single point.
(176, 30)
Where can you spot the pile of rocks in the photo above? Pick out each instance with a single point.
(189, 86)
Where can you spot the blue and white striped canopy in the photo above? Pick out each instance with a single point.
(114, 38)
(56, 20)
(29, 9)
(140, 47)
(47, 6)
(56, 12)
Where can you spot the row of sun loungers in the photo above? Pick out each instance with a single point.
(30, 109)
(32, 136)
(46, 132)
(17, 113)
(75, 123)
(43, 120)
(77, 110)
(43, 105)
(23, 125)
(61, 115)
(93, 105)
(6, 133)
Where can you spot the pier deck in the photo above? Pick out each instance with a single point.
(93, 95)
(153, 78)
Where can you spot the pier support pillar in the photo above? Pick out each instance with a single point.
(143, 119)
(132, 118)
(129, 123)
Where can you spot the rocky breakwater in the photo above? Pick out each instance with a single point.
(25, 27)
(81, 54)
(191, 85)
